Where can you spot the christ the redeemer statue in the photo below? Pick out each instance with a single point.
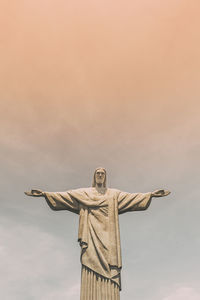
(99, 238)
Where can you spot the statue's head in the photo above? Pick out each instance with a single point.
(99, 177)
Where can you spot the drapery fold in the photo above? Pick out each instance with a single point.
(97, 287)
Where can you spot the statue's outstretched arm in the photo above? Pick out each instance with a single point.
(138, 201)
(35, 193)
(160, 193)
(57, 200)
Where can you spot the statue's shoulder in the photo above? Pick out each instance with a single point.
(87, 190)
(79, 190)
(114, 191)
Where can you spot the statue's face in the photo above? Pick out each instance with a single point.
(100, 176)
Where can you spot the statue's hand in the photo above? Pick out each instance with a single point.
(160, 193)
(35, 193)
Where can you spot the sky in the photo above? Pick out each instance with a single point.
(96, 83)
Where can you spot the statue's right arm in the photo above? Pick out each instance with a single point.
(35, 193)
(57, 200)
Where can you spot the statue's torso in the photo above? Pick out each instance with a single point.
(97, 231)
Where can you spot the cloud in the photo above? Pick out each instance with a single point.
(183, 293)
(35, 265)
(72, 293)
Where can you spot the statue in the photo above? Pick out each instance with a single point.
(98, 208)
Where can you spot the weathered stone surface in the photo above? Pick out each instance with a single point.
(98, 208)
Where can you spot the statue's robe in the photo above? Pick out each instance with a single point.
(99, 235)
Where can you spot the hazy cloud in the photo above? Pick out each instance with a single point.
(183, 293)
(34, 264)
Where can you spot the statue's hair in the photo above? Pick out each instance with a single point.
(94, 177)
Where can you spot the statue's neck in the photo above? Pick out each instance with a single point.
(100, 188)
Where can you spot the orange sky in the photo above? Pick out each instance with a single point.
(83, 70)
(98, 72)
(95, 51)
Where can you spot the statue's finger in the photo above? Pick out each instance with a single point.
(166, 192)
(37, 192)
(28, 193)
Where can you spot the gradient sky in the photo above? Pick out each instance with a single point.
(100, 83)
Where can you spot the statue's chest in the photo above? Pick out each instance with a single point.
(100, 212)
(97, 196)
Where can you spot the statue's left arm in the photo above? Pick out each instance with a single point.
(138, 201)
